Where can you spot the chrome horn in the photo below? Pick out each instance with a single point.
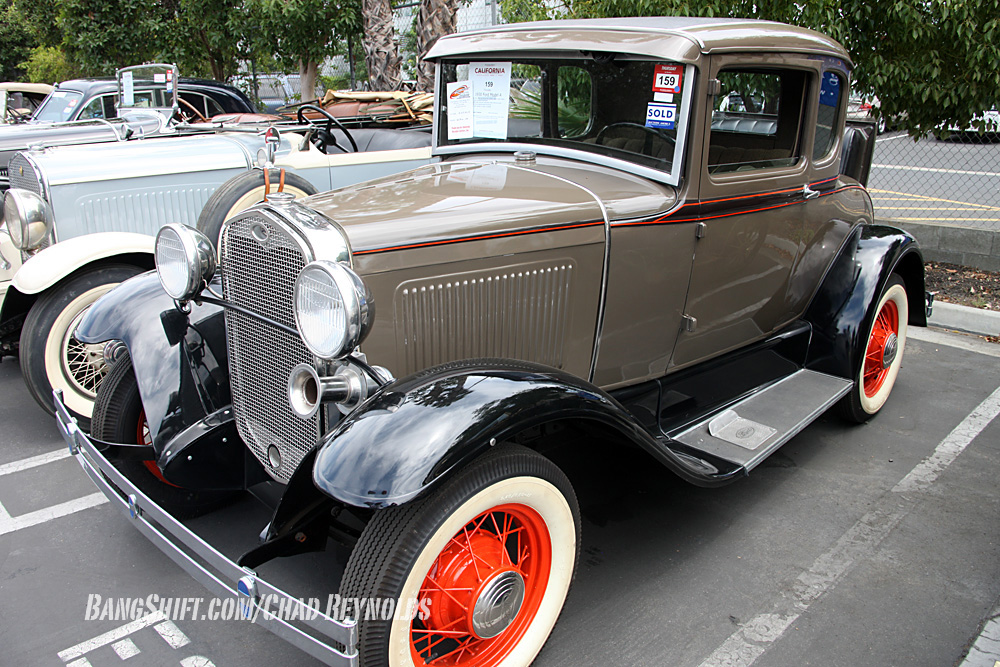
(347, 387)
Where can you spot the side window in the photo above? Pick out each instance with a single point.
(830, 96)
(756, 120)
(94, 109)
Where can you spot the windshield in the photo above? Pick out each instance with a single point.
(60, 105)
(608, 105)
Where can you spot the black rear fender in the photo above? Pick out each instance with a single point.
(841, 312)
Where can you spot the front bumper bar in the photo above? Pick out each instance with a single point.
(218, 573)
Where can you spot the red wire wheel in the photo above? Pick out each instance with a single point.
(485, 562)
(882, 355)
(484, 589)
(881, 343)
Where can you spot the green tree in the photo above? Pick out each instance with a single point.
(16, 42)
(303, 33)
(103, 35)
(930, 62)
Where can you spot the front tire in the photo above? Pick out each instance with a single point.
(240, 193)
(485, 562)
(882, 355)
(120, 418)
(51, 358)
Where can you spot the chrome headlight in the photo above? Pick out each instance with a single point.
(185, 260)
(333, 309)
(28, 218)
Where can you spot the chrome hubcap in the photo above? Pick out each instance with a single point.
(890, 351)
(499, 601)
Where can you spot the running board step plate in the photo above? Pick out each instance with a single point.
(747, 432)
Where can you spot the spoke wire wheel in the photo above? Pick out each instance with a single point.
(70, 365)
(478, 568)
(884, 351)
(475, 557)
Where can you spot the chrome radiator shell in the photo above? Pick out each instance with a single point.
(261, 255)
(23, 174)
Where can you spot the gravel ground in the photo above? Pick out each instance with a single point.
(964, 286)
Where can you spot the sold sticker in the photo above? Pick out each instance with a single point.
(667, 78)
(662, 116)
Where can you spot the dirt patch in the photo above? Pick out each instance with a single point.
(964, 286)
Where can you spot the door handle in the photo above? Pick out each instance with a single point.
(809, 193)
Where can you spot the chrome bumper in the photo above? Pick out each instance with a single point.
(220, 575)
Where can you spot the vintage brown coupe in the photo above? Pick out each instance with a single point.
(646, 232)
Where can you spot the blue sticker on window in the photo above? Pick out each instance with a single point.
(662, 116)
(829, 94)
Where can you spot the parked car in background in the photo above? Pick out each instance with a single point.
(86, 99)
(866, 108)
(985, 126)
(19, 100)
(621, 261)
(82, 218)
(91, 111)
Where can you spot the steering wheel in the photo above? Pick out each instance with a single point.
(193, 109)
(653, 132)
(325, 136)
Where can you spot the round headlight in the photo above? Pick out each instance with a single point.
(28, 218)
(333, 309)
(185, 260)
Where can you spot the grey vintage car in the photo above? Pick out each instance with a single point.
(141, 101)
(610, 250)
(80, 219)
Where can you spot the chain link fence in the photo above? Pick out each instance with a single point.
(954, 181)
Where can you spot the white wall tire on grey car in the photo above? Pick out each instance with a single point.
(51, 358)
(243, 191)
(514, 517)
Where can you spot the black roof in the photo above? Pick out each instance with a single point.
(230, 98)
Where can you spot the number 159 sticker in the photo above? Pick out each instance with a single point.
(667, 78)
(661, 115)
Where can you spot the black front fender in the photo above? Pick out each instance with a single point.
(413, 432)
(842, 310)
(180, 359)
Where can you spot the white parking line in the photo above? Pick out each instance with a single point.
(111, 636)
(172, 634)
(756, 636)
(125, 648)
(34, 461)
(9, 524)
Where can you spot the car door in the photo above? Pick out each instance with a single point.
(755, 164)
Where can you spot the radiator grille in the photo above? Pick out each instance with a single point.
(518, 313)
(22, 175)
(259, 276)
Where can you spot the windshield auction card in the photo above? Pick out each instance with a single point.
(490, 84)
(128, 90)
(459, 110)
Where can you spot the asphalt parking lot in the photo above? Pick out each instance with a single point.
(870, 545)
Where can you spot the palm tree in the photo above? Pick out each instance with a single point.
(436, 18)
(381, 54)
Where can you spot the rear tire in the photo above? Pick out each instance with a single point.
(881, 357)
(503, 535)
(51, 358)
(242, 192)
(119, 418)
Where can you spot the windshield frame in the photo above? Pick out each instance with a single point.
(673, 176)
(59, 94)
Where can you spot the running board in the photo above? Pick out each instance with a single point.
(749, 431)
